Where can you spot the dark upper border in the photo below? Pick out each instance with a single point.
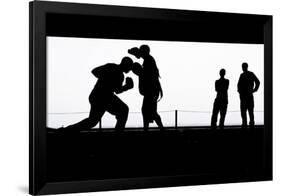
(100, 21)
(233, 28)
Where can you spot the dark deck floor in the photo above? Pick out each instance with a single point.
(95, 154)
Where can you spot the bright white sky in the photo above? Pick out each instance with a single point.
(188, 72)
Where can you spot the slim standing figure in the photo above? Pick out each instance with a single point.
(221, 101)
(149, 85)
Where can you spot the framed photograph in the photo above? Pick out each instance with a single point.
(131, 97)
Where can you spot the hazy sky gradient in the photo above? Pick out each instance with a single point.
(188, 72)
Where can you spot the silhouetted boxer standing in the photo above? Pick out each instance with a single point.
(248, 84)
(221, 101)
(149, 85)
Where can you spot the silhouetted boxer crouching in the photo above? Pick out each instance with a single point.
(103, 97)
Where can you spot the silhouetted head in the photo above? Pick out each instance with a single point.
(222, 73)
(144, 50)
(126, 64)
(245, 67)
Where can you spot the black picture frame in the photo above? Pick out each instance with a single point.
(70, 19)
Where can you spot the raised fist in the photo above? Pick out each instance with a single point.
(134, 51)
(129, 83)
(137, 68)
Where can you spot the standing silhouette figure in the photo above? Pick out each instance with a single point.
(221, 101)
(102, 98)
(248, 84)
(149, 85)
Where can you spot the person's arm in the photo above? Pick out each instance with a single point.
(128, 85)
(227, 85)
(239, 84)
(216, 86)
(257, 83)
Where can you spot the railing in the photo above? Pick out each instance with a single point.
(176, 114)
